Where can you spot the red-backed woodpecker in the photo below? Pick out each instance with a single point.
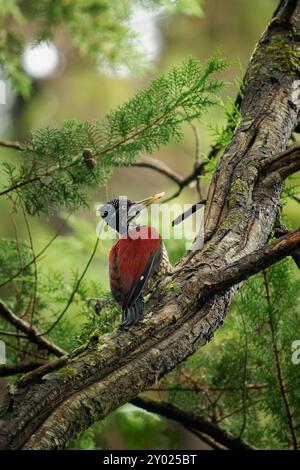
(138, 257)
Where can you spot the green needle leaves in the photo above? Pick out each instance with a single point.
(55, 173)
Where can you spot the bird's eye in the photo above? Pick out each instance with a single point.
(105, 214)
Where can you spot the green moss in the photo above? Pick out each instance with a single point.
(294, 33)
(231, 220)
(66, 373)
(172, 287)
(287, 55)
(239, 187)
(283, 55)
(102, 342)
(209, 249)
(92, 362)
(232, 200)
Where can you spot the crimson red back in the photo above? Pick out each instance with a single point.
(129, 258)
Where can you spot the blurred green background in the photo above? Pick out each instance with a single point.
(77, 89)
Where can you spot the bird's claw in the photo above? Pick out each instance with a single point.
(98, 304)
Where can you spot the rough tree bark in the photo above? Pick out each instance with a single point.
(49, 411)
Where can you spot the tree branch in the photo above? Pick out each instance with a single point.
(193, 423)
(160, 167)
(251, 264)
(281, 230)
(42, 370)
(143, 362)
(31, 332)
(11, 144)
(74, 291)
(21, 368)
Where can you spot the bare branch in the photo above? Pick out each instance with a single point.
(159, 166)
(250, 264)
(43, 250)
(283, 164)
(281, 230)
(244, 391)
(31, 332)
(20, 368)
(75, 289)
(32, 304)
(42, 369)
(193, 423)
(11, 144)
(13, 334)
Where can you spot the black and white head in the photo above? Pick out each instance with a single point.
(121, 212)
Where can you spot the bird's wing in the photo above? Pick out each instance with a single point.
(131, 264)
(136, 292)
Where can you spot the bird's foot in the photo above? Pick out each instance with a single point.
(98, 304)
(133, 314)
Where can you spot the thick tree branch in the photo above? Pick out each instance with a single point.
(30, 331)
(252, 263)
(281, 230)
(193, 423)
(142, 366)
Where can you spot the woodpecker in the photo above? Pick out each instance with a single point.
(137, 260)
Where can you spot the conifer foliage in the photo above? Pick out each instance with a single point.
(58, 165)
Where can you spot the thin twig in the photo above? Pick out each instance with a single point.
(244, 394)
(7, 370)
(11, 144)
(238, 410)
(35, 356)
(75, 289)
(12, 333)
(31, 332)
(296, 198)
(33, 304)
(31, 261)
(290, 418)
(42, 370)
(159, 166)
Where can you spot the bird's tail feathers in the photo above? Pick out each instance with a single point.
(133, 313)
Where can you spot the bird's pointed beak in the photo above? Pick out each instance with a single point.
(149, 200)
(137, 206)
